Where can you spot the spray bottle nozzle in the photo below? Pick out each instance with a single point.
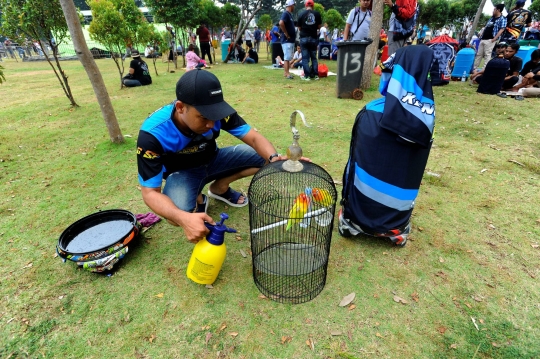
(223, 216)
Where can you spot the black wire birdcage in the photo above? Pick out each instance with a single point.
(291, 214)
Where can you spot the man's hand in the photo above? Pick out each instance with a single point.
(194, 227)
(389, 3)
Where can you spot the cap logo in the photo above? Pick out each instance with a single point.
(216, 92)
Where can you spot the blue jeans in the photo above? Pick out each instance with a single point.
(308, 45)
(184, 186)
(131, 83)
(249, 60)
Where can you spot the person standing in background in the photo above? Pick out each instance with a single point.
(492, 31)
(309, 21)
(288, 36)
(257, 38)
(358, 22)
(204, 41)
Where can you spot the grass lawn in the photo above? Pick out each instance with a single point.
(469, 277)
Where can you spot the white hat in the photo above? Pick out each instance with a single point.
(290, 3)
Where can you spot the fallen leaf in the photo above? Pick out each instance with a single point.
(348, 299)
(335, 333)
(398, 299)
(160, 295)
(495, 345)
(484, 170)
(535, 245)
(208, 336)
(152, 338)
(375, 295)
(441, 330)
(481, 321)
(441, 259)
(108, 330)
(262, 296)
(453, 346)
(285, 339)
(352, 306)
(378, 335)
(243, 253)
(491, 226)
(468, 305)
(238, 238)
(478, 299)
(360, 267)
(310, 343)
(415, 297)
(233, 334)
(420, 229)
(223, 326)
(206, 327)
(209, 286)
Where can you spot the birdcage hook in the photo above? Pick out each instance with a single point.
(294, 152)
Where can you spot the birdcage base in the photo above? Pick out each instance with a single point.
(290, 272)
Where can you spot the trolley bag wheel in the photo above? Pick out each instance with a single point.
(357, 94)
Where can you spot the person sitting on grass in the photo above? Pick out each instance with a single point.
(297, 58)
(138, 72)
(500, 48)
(177, 143)
(530, 69)
(512, 76)
(251, 56)
(192, 60)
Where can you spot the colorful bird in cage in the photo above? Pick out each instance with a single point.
(321, 196)
(299, 209)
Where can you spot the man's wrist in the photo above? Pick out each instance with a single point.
(273, 156)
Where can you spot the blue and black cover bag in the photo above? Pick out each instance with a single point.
(390, 144)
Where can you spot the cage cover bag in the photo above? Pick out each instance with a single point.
(390, 144)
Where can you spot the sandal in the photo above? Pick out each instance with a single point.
(230, 197)
(501, 95)
(519, 98)
(202, 207)
(290, 77)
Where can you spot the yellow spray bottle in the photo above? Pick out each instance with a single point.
(209, 254)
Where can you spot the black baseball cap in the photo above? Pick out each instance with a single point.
(135, 53)
(202, 90)
(499, 7)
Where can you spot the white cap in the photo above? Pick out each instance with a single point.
(290, 3)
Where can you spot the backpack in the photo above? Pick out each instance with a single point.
(405, 19)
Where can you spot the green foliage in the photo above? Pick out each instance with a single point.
(264, 22)
(318, 7)
(230, 15)
(38, 19)
(334, 19)
(108, 26)
(2, 77)
(181, 14)
(435, 13)
(535, 8)
(209, 14)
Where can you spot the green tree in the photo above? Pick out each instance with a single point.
(535, 8)
(180, 14)
(230, 15)
(435, 13)
(42, 20)
(117, 24)
(334, 20)
(264, 22)
(318, 7)
(209, 14)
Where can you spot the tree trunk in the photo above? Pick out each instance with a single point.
(476, 19)
(63, 78)
(372, 50)
(92, 70)
(249, 17)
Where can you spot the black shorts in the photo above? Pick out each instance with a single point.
(248, 43)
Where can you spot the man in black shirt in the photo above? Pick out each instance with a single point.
(138, 72)
(512, 76)
(309, 22)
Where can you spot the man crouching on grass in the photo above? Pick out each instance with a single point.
(177, 143)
